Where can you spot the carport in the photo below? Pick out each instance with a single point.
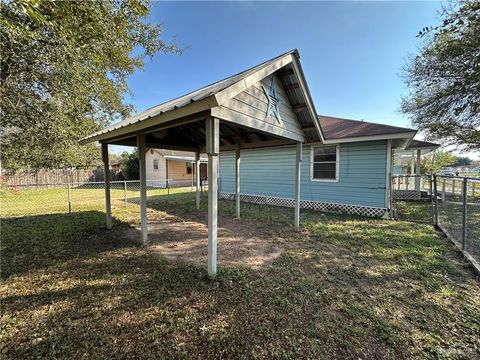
(265, 106)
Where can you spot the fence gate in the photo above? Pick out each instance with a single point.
(412, 198)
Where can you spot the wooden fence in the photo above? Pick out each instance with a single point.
(39, 177)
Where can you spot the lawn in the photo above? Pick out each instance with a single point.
(343, 287)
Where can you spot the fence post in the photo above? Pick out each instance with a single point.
(432, 201)
(69, 198)
(392, 200)
(443, 189)
(125, 193)
(453, 187)
(464, 225)
(435, 200)
(168, 190)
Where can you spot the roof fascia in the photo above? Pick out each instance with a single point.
(141, 125)
(297, 68)
(407, 135)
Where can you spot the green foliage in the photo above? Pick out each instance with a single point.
(463, 160)
(130, 165)
(64, 73)
(444, 78)
(434, 162)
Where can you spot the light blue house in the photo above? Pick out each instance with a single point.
(348, 173)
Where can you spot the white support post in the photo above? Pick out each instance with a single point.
(212, 140)
(143, 187)
(106, 175)
(197, 179)
(237, 182)
(298, 163)
(412, 163)
(417, 170)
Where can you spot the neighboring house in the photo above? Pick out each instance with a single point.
(175, 166)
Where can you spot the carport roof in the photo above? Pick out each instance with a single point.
(210, 96)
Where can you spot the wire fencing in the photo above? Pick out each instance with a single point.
(42, 199)
(457, 202)
(451, 203)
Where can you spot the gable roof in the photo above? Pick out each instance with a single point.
(206, 98)
(336, 129)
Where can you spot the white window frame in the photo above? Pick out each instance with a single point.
(158, 165)
(337, 162)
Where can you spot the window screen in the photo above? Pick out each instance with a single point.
(324, 163)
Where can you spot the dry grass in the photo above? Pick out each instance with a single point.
(343, 287)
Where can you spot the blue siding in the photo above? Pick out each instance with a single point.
(270, 171)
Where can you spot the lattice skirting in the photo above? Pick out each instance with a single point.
(311, 205)
(407, 194)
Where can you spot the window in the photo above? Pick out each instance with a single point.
(155, 164)
(324, 163)
(189, 168)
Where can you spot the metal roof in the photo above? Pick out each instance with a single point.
(196, 96)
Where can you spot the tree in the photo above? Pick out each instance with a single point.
(444, 78)
(435, 161)
(462, 161)
(64, 70)
(130, 165)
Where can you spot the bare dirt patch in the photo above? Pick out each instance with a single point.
(240, 242)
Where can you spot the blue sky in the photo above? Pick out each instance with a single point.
(352, 52)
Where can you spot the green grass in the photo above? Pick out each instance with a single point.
(344, 287)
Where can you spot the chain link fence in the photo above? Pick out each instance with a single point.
(411, 198)
(457, 202)
(451, 203)
(42, 199)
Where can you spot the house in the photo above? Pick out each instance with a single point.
(347, 172)
(266, 144)
(175, 166)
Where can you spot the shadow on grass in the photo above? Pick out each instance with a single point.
(33, 242)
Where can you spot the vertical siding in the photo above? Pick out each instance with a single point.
(271, 172)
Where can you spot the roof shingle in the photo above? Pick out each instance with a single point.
(337, 128)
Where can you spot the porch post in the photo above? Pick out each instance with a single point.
(237, 182)
(298, 163)
(197, 179)
(412, 163)
(212, 137)
(143, 186)
(417, 170)
(106, 175)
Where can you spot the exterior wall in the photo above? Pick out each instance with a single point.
(151, 174)
(177, 173)
(270, 171)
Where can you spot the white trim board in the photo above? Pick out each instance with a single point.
(337, 163)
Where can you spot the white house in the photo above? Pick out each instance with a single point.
(174, 166)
